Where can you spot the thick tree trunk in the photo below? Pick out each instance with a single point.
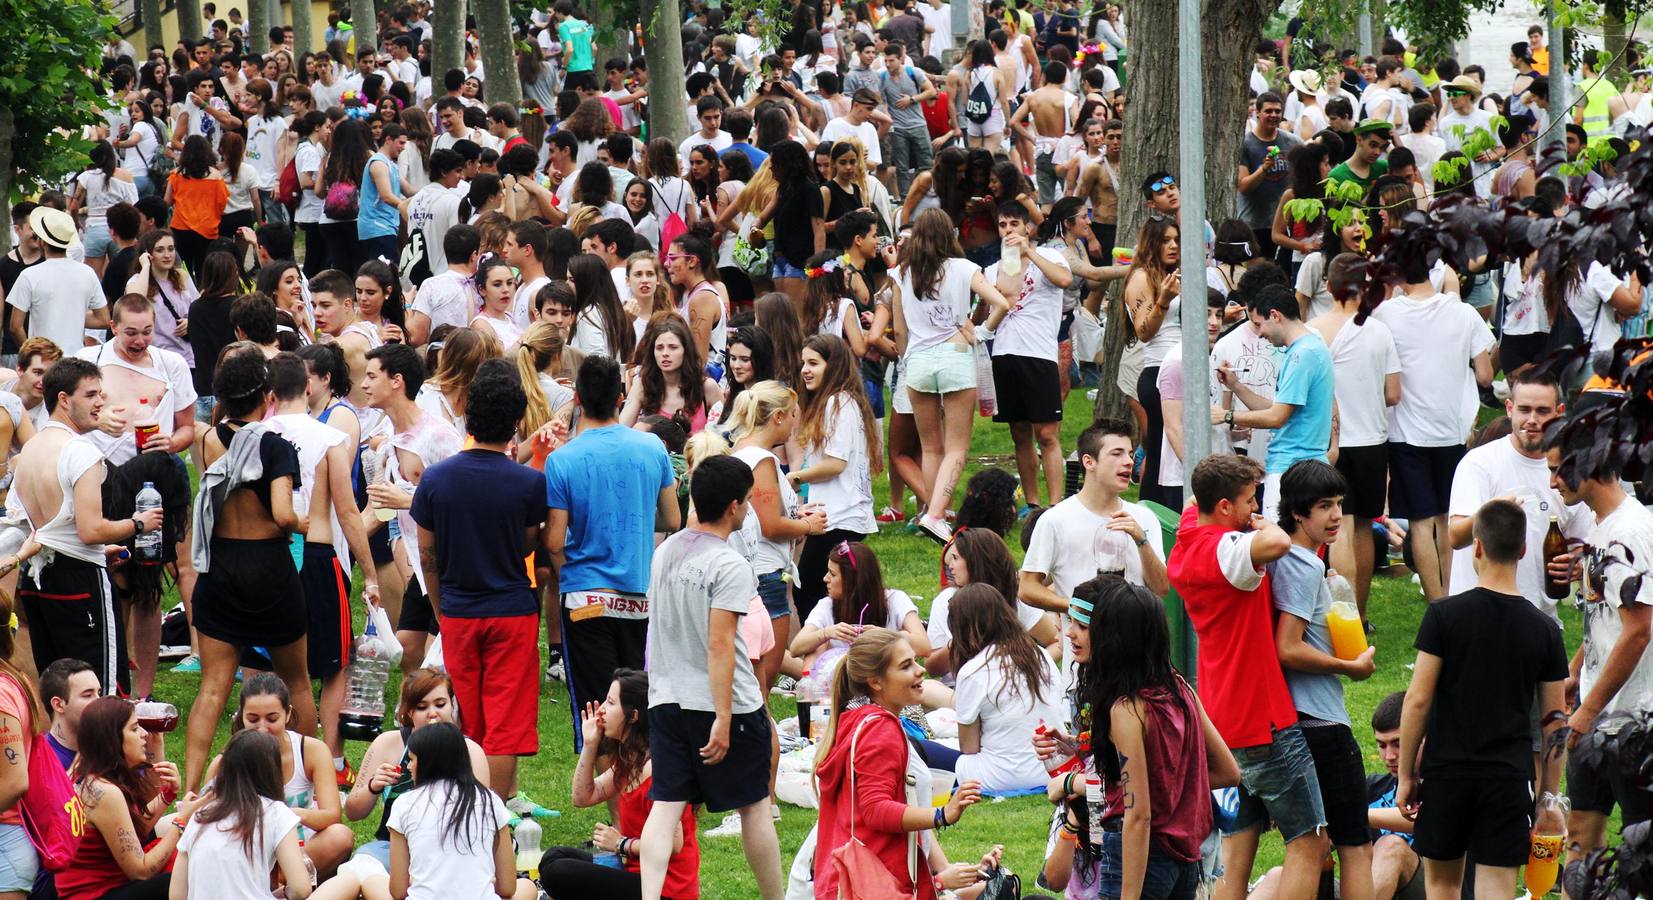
(447, 42)
(668, 116)
(303, 36)
(493, 26)
(152, 33)
(365, 20)
(8, 133)
(1612, 27)
(608, 37)
(1152, 130)
(189, 20)
(258, 23)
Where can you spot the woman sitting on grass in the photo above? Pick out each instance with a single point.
(856, 600)
(243, 829)
(977, 556)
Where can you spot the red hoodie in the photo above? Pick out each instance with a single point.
(880, 801)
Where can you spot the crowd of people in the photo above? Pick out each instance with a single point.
(527, 372)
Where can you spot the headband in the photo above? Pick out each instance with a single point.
(1080, 611)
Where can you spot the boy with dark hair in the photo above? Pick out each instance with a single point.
(123, 222)
(525, 247)
(479, 512)
(253, 318)
(67, 687)
(1311, 511)
(1397, 872)
(1483, 656)
(1218, 565)
(448, 297)
(708, 728)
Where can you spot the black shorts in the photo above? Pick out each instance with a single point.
(1029, 389)
(416, 612)
(250, 597)
(1488, 818)
(1420, 485)
(378, 543)
(1598, 789)
(1342, 775)
(327, 601)
(72, 614)
(675, 738)
(1366, 469)
(576, 80)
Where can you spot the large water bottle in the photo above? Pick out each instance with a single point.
(147, 546)
(363, 712)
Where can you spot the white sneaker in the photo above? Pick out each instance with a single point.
(936, 529)
(729, 827)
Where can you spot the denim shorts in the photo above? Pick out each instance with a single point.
(379, 850)
(97, 240)
(772, 589)
(1278, 784)
(19, 863)
(781, 267)
(203, 408)
(941, 369)
(1164, 879)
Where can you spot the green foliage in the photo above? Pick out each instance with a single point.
(1450, 171)
(50, 97)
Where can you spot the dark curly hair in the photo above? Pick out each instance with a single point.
(989, 502)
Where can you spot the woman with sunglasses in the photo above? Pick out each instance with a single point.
(1154, 303)
(856, 600)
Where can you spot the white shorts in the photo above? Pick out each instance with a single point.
(993, 125)
(900, 402)
(1271, 496)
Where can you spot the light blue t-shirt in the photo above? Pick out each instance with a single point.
(1305, 382)
(1298, 582)
(375, 218)
(609, 480)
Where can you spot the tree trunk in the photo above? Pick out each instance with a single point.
(364, 19)
(189, 20)
(8, 133)
(152, 33)
(1153, 132)
(668, 115)
(303, 38)
(1612, 27)
(493, 26)
(608, 37)
(447, 43)
(258, 24)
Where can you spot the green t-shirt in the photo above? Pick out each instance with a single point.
(1342, 172)
(575, 36)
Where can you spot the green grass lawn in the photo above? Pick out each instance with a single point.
(911, 563)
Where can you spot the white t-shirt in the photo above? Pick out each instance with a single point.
(219, 865)
(434, 210)
(263, 136)
(1524, 311)
(1170, 384)
(766, 555)
(522, 304)
(1311, 283)
(135, 159)
(404, 70)
(992, 694)
(939, 18)
(591, 333)
(1035, 314)
(1363, 356)
(847, 496)
(247, 180)
(447, 299)
(1589, 303)
(940, 634)
(102, 192)
(897, 602)
(163, 365)
(1072, 545)
(1454, 129)
(1257, 363)
(57, 294)
(1497, 470)
(720, 142)
(934, 319)
(307, 161)
(439, 868)
(1621, 555)
(841, 128)
(1436, 338)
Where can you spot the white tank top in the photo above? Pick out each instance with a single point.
(299, 791)
(718, 348)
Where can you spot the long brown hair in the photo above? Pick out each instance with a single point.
(631, 752)
(8, 645)
(933, 241)
(103, 751)
(987, 560)
(416, 123)
(232, 148)
(841, 382)
(868, 658)
(777, 317)
(146, 244)
(863, 600)
(249, 772)
(981, 619)
(691, 375)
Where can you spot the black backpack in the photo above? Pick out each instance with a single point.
(978, 104)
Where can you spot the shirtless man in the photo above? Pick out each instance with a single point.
(34, 358)
(1008, 61)
(1052, 111)
(333, 533)
(1099, 185)
(137, 376)
(60, 483)
(1023, 73)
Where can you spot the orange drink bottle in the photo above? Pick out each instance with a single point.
(1348, 635)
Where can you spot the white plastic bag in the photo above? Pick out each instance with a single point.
(1087, 336)
(386, 633)
(433, 656)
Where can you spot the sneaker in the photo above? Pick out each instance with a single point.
(775, 811)
(729, 827)
(889, 515)
(522, 806)
(935, 529)
(785, 686)
(346, 776)
(554, 670)
(190, 666)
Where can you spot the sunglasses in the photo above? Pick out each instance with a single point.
(843, 550)
(672, 257)
(1162, 184)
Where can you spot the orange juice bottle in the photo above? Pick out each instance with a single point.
(1348, 635)
(1543, 864)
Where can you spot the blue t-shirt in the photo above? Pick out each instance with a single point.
(375, 218)
(477, 503)
(750, 152)
(609, 480)
(1305, 382)
(1298, 583)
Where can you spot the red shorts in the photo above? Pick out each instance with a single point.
(495, 666)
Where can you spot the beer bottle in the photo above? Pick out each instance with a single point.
(1555, 546)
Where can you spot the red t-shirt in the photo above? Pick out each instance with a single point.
(935, 115)
(683, 870)
(1228, 600)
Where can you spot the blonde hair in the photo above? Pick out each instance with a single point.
(756, 404)
(868, 658)
(758, 192)
(584, 217)
(540, 346)
(703, 445)
(464, 351)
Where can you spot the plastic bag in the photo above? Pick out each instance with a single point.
(387, 632)
(433, 656)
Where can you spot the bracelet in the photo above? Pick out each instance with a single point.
(176, 823)
(620, 848)
(1067, 788)
(936, 883)
(941, 817)
(1071, 837)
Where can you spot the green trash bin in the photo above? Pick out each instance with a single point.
(1184, 643)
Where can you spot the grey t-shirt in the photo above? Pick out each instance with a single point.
(1257, 207)
(894, 87)
(692, 574)
(1298, 582)
(856, 79)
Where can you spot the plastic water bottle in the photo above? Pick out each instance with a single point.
(363, 712)
(1060, 762)
(527, 836)
(987, 398)
(1094, 808)
(147, 546)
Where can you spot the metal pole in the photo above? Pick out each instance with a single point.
(1196, 368)
(1364, 29)
(1561, 86)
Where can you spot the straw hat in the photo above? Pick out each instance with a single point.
(1305, 80)
(1466, 84)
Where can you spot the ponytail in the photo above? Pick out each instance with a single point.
(867, 658)
(756, 404)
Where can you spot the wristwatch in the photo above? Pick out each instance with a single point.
(1228, 417)
(137, 523)
(1141, 540)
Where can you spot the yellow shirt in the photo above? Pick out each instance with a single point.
(1541, 60)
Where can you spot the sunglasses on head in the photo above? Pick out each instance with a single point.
(1162, 184)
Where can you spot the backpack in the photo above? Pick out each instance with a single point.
(287, 183)
(52, 814)
(342, 203)
(673, 226)
(978, 104)
(160, 164)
